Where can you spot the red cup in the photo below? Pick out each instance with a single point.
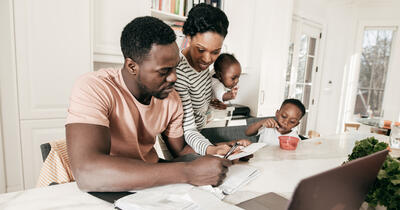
(288, 142)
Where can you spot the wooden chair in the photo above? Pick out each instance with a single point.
(356, 126)
(382, 131)
(56, 166)
(313, 134)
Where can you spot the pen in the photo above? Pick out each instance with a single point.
(232, 149)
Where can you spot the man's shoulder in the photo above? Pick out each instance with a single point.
(98, 78)
(173, 97)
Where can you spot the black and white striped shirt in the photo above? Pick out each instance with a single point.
(195, 91)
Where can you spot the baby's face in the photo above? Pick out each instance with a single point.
(288, 117)
(230, 75)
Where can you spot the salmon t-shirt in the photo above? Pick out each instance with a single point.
(102, 98)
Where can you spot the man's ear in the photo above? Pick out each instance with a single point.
(277, 112)
(131, 66)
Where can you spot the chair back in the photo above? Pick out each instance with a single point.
(56, 166)
(45, 149)
(355, 126)
(382, 131)
(313, 134)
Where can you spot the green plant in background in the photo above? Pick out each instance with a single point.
(386, 189)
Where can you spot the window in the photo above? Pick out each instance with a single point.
(375, 55)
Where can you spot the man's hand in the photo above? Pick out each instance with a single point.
(270, 123)
(207, 170)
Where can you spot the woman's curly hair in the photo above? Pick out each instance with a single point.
(203, 18)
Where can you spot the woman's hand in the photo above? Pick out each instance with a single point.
(217, 104)
(223, 147)
(220, 149)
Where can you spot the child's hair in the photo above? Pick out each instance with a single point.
(223, 60)
(297, 103)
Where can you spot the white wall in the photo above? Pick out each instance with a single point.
(9, 104)
(339, 42)
(314, 10)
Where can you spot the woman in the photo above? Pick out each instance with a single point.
(205, 29)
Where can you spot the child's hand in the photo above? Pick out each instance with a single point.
(230, 95)
(270, 123)
(234, 91)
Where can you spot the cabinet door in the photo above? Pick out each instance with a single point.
(53, 47)
(110, 18)
(239, 40)
(33, 134)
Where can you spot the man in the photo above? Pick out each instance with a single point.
(114, 116)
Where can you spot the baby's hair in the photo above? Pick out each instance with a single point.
(224, 60)
(297, 103)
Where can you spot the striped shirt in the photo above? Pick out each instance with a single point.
(195, 91)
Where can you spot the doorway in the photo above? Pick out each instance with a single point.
(302, 69)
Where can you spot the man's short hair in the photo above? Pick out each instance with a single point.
(204, 18)
(141, 34)
(297, 103)
(224, 60)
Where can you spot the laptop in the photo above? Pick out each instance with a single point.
(341, 188)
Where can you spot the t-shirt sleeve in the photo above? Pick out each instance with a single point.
(261, 130)
(218, 89)
(89, 102)
(174, 128)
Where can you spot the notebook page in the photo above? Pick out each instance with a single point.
(252, 148)
(237, 176)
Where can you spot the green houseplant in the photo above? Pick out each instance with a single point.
(386, 189)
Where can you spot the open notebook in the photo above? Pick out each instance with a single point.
(188, 197)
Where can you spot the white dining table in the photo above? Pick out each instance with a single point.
(281, 170)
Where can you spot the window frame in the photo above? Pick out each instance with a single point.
(353, 70)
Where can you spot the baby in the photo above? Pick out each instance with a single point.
(286, 118)
(224, 81)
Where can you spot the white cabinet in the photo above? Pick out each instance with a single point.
(110, 17)
(53, 46)
(260, 37)
(239, 40)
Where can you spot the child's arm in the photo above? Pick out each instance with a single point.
(230, 94)
(268, 123)
(253, 128)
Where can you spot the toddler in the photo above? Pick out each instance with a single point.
(286, 118)
(224, 81)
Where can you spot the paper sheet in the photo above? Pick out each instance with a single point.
(237, 176)
(252, 148)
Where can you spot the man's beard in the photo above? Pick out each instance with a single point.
(158, 94)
